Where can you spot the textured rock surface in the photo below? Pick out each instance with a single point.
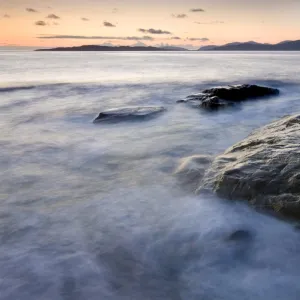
(226, 96)
(128, 113)
(191, 170)
(263, 169)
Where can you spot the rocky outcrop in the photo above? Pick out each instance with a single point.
(191, 170)
(129, 113)
(263, 169)
(225, 96)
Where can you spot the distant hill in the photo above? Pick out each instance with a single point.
(254, 46)
(174, 48)
(112, 48)
(235, 46)
(207, 48)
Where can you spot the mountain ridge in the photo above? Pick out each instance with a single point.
(254, 46)
(113, 48)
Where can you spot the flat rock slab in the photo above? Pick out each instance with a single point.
(129, 113)
(218, 97)
(263, 169)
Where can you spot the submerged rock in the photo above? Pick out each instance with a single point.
(129, 113)
(240, 235)
(263, 169)
(225, 96)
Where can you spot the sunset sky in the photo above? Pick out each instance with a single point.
(188, 23)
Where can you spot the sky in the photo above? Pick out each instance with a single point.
(188, 23)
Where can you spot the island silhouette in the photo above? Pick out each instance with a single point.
(235, 46)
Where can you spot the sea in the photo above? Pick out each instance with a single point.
(94, 211)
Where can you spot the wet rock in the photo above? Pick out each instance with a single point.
(129, 113)
(263, 169)
(218, 97)
(240, 235)
(191, 170)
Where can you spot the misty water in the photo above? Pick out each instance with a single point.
(93, 211)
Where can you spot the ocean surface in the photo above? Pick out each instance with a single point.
(93, 211)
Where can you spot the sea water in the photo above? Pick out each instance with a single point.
(93, 211)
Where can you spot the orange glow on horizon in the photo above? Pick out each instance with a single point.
(221, 22)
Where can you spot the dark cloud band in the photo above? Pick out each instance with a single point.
(108, 24)
(40, 23)
(53, 16)
(197, 10)
(198, 39)
(31, 10)
(85, 37)
(154, 31)
(179, 16)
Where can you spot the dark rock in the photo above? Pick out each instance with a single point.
(263, 169)
(240, 235)
(128, 113)
(214, 103)
(224, 96)
(241, 92)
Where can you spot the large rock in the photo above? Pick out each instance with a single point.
(129, 113)
(191, 170)
(224, 96)
(263, 169)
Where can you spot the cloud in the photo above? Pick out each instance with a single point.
(197, 10)
(115, 10)
(160, 45)
(6, 16)
(139, 44)
(175, 38)
(186, 46)
(108, 24)
(210, 23)
(86, 37)
(108, 45)
(198, 39)
(53, 16)
(55, 23)
(85, 19)
(179, 16)
(31, 10)
(40, 23)
(154, 31)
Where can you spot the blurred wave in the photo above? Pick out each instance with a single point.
(94, 212)
(150, 244)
